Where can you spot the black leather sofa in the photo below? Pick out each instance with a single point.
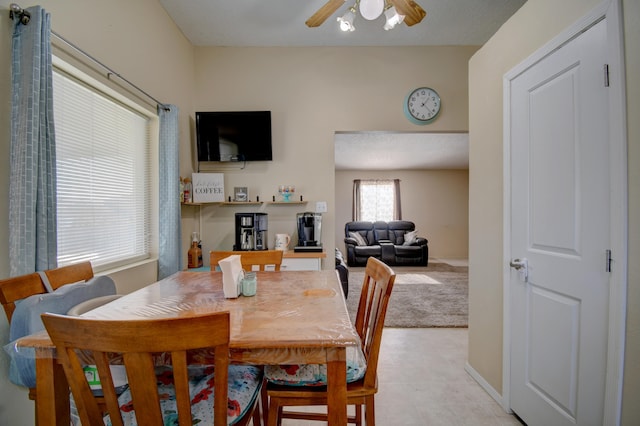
(385, 241)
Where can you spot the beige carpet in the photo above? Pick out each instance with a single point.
(432, 296)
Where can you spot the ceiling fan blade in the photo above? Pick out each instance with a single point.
(324, 12)
(412, 11)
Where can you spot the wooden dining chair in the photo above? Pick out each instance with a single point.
(372, 309)
(23, 286)
(156, 393)
(17, 288)
(68, 274)
(250, 258)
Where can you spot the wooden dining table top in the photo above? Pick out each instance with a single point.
(292, 310)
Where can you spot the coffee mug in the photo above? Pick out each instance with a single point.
(282, 241)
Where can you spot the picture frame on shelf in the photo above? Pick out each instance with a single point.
(208, 187)
(240, 194)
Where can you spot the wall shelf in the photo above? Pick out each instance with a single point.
(226, 203)
(282, 203)
(248, 203)
(241, 203)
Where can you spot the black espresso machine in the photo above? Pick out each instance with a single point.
(251, 231)
(309, 232)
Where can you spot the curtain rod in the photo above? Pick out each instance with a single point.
(24, 16)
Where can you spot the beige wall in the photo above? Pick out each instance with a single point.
(139, 41)
(435, 200)
(312, 93)
(537, 22)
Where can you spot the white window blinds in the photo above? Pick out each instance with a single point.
(103, 164)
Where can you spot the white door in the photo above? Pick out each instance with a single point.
(560, 230)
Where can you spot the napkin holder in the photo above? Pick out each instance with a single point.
(232, 274)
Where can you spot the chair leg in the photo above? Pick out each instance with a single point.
(358, 415)
(257, 415)
(370, 411)
(264, 401)
(274, 412)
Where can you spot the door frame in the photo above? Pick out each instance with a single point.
(611, 10)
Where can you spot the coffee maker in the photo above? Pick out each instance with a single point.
(251, 231)
(309, 232)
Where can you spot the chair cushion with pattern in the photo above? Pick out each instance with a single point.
(316, 374)
(243, 388)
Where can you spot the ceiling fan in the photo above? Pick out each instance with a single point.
(371, 9)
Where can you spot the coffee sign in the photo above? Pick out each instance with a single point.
(208, 187)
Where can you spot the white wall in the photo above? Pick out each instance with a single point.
(537, 22)
(312, 93)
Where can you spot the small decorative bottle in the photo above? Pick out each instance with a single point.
(194, 256)
(188, 192)
(181, 190)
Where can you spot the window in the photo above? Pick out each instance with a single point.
(376, 200)
(103, 175)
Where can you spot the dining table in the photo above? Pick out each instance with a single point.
(295, 317)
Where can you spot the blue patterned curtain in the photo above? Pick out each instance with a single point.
(169, 256)
(32, 188)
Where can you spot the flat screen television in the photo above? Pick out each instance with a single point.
(234, 136)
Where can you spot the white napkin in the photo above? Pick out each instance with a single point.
(231, 276)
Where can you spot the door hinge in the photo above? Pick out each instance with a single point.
(609, 260)
(606, 75)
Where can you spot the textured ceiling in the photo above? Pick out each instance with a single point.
(407, 151)
(282, 23)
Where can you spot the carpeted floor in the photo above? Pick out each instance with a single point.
(422, 297)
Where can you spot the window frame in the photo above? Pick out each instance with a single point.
(107, 88)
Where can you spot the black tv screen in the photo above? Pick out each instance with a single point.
(234, 136)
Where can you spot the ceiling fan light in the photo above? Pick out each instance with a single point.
(393, 18)
(371, 9)
(346, 20)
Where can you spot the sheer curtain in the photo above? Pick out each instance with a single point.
(32, 187)
(169, 256)
(376, 199)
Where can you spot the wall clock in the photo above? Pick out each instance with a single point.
(422, 105)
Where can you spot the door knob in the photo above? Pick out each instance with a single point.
(518, 264)
(522, 266)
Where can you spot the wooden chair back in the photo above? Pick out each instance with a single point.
(16, 288)
(138, 341)
(58, 277)
(372, 310)
(249, 259)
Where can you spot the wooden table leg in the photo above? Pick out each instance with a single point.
(52, 390)
(337, 386)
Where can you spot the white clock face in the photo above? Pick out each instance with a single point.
(423, 104)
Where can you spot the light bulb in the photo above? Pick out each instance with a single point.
(393, 18)
(371, 9)
(346, 20)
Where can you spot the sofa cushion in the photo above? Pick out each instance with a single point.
(410, 238)
(359, 238)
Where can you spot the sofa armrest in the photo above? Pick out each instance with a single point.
(420, 242)
(351, 241)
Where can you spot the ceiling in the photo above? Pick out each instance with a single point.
(407, 151)
(263, 23)
(282, 23)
